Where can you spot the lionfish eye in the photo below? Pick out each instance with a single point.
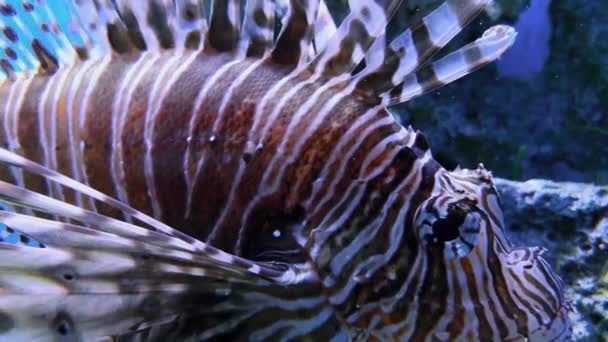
(458, 231)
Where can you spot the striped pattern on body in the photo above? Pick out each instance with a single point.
(302, 207)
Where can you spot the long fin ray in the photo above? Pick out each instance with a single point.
(90, 293)
(161, 235)
(493, 43)
(42, 37)
(324, 28)
(258, 28)
(191, 22)
(387, 67)
(113, 278)
(345, 50)
(224, 25)
(293, 44)
(16, 160)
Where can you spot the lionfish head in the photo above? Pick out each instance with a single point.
(512, 289)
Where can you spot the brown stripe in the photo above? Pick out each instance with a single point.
(97, 133)
(133, 144)
(333, 169)
(433, 295)
(287, 48)
(351, 171)
(62, 140)
(169, 140)
(457, 324)
(77, 133)
(209, 189)
(485, 331)
(28, 132)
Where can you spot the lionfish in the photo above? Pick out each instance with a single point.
(187, 176)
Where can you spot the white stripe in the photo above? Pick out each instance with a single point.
(12, 111)
(440, 21)
(483, 299)
(397, 231)
(297, 117)
(120, 110)
(259, 111)
(64, 73)
(330, 191)
(342, 257)
(155, 100)
(75, 85)
(414, 178)
(287, 135)
(43, 139)
(336, 153)
(222, 109)
(447, 317)
(93, 81)
(325, 229)
(202, 95)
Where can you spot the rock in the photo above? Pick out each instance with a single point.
(571, 221)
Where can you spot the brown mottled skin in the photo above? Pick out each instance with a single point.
(223, 153)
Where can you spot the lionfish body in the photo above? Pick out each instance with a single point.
(284, 200)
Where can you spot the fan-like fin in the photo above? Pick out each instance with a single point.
(11, 158)
(387, 67)
(107, 286)
(345, 50)
(161, 234)
(493, 43)
(294, 41)
(224, 25)
(113, 278)
(258, 28)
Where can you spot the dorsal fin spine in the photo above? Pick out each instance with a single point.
(493, 43)
(411, 49)
(191, 22)
(325, 27)
(294, 41)
(358, 31)
(224, 25)
(258, 28)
